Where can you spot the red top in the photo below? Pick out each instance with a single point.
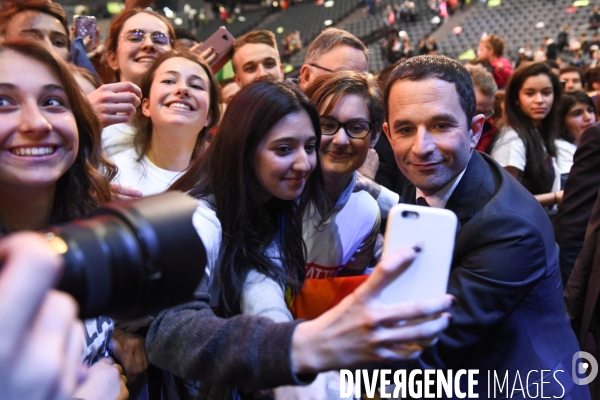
(502, 71)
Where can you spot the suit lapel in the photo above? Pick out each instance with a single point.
(463, 199)
(409, 194)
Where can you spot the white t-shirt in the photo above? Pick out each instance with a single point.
(564, 155)
(142, 175)
(260, 295)
(117, 138)
(209, 229)
(509, 151)
(347, 236)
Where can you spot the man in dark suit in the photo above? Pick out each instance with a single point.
(509, 320)
(581, 191)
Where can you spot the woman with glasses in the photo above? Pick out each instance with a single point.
(351, 116)
(340, 240)
(136, 39)
(52, 171)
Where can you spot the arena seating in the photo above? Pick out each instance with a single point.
(309, 19)
(417, 30)
(515, 21)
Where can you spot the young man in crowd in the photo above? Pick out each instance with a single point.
(255, 56)
(45, 22)
(573, 78)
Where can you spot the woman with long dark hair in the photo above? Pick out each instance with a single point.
(52, 171)
(62, 175)
(253, 185)
(526, 147)
(576, 113)
(259, 175)
(180, 104)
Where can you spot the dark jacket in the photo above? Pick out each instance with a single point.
(510, 315)
(581, 191)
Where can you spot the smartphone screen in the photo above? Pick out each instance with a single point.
(85, 25)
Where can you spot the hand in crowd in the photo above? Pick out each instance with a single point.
(371, 164)
(128, 349)
(115, 103)
(209, 55)
(361, 330)
(368, 185)
(123, 192)
(105, 381)
(40, 345)
(91, 48)
(317, 390)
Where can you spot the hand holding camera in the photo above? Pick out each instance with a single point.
(40, 341)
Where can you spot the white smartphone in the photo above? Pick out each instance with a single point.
(433, 230)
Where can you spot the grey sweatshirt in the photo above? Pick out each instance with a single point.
(247, 352)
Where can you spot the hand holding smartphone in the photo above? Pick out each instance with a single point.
(85, 25)
(433, 231)
(222, 43)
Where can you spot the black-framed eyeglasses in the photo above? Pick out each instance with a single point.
(137, 37)
(355, 128)
(323, 68)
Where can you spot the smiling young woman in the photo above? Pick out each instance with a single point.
(52, 171)
(180, 103)
(136, 39)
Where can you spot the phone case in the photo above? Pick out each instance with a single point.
(222, 42)
(85, 25)
(433, 230)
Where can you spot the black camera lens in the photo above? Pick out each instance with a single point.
(132, 258)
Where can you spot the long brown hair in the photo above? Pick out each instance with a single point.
(143, 124)
(225, 175)
(85, 185)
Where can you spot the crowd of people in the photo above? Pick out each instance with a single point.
(293, 179)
